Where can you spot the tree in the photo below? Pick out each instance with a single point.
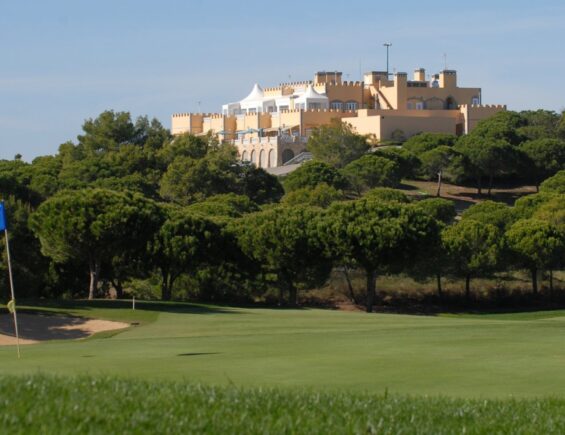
(107, 132)
(95, 225)
(424, 142)
(526, 206)
(490, 212)
(540, 124)
(229, 205)
(371, 171)
(284, 240)
(487, 157)
(546, 158)
(183, 145)
(503, 126)
(320, 196)
(473, 249)
(433, 260)
(312, 173)
(189, 180)
(536, 245)
(386, 194)
(436, 161)
(256, 183)
(185, 242)
(442, 210)
(552, 211)
(29, 267)
(376, 236)
(555, 184)
(407, 161)
(336, 144)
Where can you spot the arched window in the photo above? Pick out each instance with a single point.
(252, 159)
(272, 159)
(336, 105)
(351, 105)
(287, 155)
(244, 157)
(262, 159)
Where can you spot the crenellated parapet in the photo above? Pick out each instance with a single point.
(345, 84)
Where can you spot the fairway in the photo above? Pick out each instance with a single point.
(521, 355)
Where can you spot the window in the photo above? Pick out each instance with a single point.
(283, 107)
(419, 105)
(476, 101)
(336, 105)
(351, 105)
(252, 110)
(315, 106)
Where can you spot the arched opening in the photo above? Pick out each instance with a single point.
(252, 159)
(272, 159)
(287, 155)
(244, 157)
(336, 105)
(262, 159)
(450, 103)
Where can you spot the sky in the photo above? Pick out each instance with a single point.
(62, 62)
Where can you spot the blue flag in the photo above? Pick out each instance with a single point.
(2, 217)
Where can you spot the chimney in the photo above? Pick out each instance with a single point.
(420, 75)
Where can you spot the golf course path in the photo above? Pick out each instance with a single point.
(34, 328)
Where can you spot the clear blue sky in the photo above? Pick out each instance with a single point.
(64, 61)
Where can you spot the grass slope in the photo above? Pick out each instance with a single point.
(498, 356)
(106, 405)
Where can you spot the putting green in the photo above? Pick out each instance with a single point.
(487, 355)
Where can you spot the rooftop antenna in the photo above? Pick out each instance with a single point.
(199, 108)
(387, 45)
(445, 61)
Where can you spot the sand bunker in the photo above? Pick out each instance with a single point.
(35, 328)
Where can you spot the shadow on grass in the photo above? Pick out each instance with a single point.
(199, 353)
(111, 304)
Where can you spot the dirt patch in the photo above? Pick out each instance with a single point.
(35, 328)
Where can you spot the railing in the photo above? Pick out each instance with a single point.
(271, 140)
(302, 157)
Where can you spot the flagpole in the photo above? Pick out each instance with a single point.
(12, 291)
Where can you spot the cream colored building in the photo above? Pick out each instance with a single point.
(271, 126)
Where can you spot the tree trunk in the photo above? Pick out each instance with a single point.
(468, 286)
(166, 285)
(281, 296)
(438, 193)
(94, 274)
(480, 184)
(292, 295)
(118, 286)
(489, 184)
(551, 282)
(535, 280)
(349, 286)
(439, 289)
(371, 289)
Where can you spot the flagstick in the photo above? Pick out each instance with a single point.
(12, 290)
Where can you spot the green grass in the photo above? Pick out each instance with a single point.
(39, 404)
(476, 356)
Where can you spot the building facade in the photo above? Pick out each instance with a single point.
(271, 126)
